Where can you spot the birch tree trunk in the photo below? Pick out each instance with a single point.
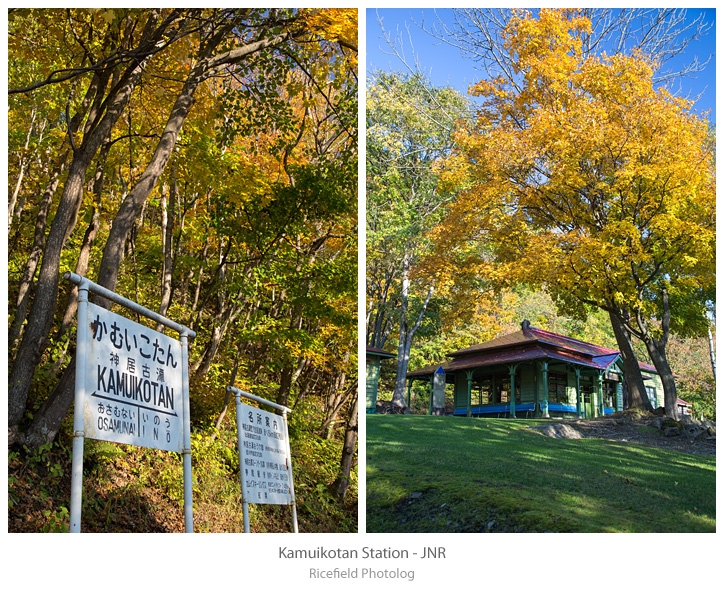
(406, 334)
(711, 354)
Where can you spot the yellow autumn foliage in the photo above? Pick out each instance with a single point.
(584, 176)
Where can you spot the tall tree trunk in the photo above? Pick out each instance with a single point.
(206, 65)
(81, 266)
(711, 354)
(631, 370)
(40, 319)
(22, 165)
(31, 265)
(49, 417)
(406, 334)
(227, 398)
(39, 239)
(657, 351)
(168, 209)
(341, 485)
(290, 374)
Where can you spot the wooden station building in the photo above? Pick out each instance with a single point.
(535, 373)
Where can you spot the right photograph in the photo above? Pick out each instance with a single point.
(540, 270)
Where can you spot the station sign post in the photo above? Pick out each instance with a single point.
(131, 387)
(265, 461)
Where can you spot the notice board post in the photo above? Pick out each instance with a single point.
(265, 459)
(129, 387)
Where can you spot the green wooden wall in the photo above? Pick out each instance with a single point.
(372, 382)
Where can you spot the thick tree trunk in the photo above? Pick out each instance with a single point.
(81, 269)
(404, 343)
(41, 316)
(21, 306)
(47, 420)
(657, 352)
(631, 370)
(44, 305)
(40, 319)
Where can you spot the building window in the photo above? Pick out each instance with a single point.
(609, 395)
(485, 392)
(496, 389)
(651, 393)
(502, 389)
(557, 388)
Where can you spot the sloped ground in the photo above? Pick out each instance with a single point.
(688, 436)
(694, 437)
(133, 489)
(459, 474)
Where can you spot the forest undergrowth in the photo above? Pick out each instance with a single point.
(134, 489)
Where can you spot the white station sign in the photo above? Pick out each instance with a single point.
(264, 454)
(133, 389)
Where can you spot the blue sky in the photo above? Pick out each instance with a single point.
(446, 66)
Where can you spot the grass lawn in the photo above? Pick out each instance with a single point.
(456, 474)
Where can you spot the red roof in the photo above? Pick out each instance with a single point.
(528, 335)
(528, 344)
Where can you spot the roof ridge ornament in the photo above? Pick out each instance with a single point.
(525, 324)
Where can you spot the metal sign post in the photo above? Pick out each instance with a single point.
(129, 387)
(265, 459)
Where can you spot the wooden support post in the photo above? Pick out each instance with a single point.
(409, 391)
(512, 368)
(619, 393)
(544, 381)
(578, 391)
(469, 375)
(599, 388)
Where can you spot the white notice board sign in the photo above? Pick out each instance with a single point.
(134, 383)
(264, 453)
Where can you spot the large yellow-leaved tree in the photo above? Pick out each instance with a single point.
(589, 180)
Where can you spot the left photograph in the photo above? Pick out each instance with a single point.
(182, 270)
